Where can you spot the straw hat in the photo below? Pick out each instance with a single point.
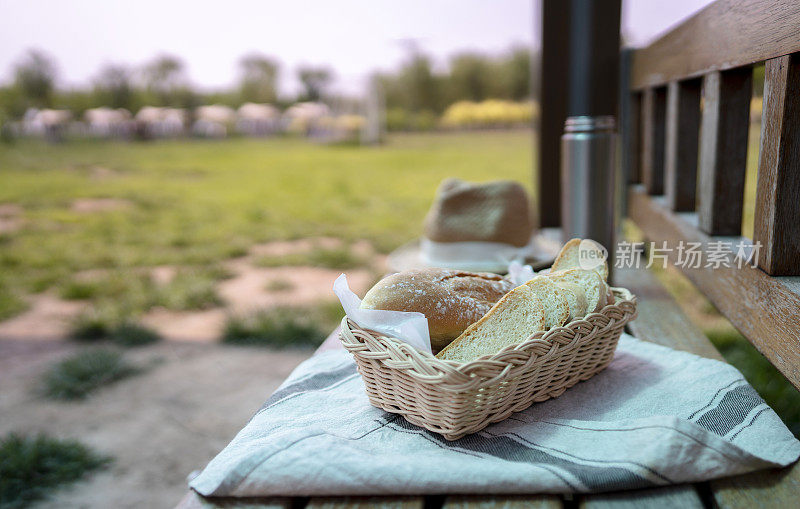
(478, 227)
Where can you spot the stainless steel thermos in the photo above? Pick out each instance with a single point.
(587, 179)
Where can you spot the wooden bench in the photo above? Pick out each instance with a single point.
(713, 52)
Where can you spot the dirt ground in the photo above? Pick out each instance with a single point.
(48, 316)
(194, 395)
(159, 426)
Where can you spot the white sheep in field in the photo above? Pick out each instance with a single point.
(105, 122)
(257, 119)
(304, 117)
(48, 123)
(158, 122)
(213, 121)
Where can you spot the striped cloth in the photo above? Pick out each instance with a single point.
(654, 417)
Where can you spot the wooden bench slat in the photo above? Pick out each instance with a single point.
(724, 35)
(654, 106)
(660, 318)
(504, 502)
(192, 500)
(682, 138)
(777, 217)
(366, 503)
(723, 150)
(678, 497)
(771, 488)
(762, 307)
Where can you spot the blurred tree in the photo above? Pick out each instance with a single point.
(12, 103)
(35, 77)
(259, 77)
(164, 76)
(77, 101)
(515, 72)
(419, 84)
(113, 87)
(315, 80)
(471, 77)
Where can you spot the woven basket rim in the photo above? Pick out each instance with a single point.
(424, 365)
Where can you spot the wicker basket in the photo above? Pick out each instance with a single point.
(456, 399)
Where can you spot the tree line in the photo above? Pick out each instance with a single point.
(417, 87)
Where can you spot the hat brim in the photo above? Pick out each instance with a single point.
(410, 256)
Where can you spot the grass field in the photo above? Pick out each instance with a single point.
(195, 204)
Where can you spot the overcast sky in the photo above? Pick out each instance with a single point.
(354, 37)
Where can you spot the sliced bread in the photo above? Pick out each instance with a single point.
(576, 298)
(554, 300)
(513, 319)
(569, 257)
(595, 289)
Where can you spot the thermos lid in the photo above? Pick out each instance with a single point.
(587, 124)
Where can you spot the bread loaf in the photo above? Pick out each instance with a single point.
(451, 300)
(515, 318)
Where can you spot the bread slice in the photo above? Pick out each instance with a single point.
(576, 298)
(569, 257)
(554, 300)
(513, 319)
(594, 287)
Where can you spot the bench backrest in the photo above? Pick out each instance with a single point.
(688, 112)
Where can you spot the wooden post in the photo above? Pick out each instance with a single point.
(682, 133)
(723, 150)
(654, 105)
(777, 214)
(553, 108)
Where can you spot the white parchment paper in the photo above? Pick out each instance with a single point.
(411, 328)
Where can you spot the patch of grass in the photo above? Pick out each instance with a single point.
(10, 302)
(279, 285)
(283, 327)
(340, 258)
(91, 326)
(130, 334)
(100, 325)
(190, 290)
(32, 467)
(78, 375)
(78, 290)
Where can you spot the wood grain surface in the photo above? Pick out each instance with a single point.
(682, 140)
(723, 150)
(654, 109)
(777, 213)
(724, 35)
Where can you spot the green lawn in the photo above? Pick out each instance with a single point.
(196, 203)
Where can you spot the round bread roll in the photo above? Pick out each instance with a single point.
(451, 300)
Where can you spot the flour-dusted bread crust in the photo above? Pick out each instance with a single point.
(515, 318)
(553, 299)
(451, 300)
(594, 287)
(568, 257)
(576, 298)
